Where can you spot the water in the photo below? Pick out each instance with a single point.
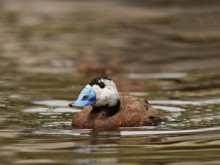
(40, 75)
(36, 128)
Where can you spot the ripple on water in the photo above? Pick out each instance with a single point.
(169, 108)
(185, 102)
(52, 107)
(171, 127)
(50, 110)
(53, 103)
(74, 132)
(157, 75)
(56, 124)
(137, 131)
(168, 132)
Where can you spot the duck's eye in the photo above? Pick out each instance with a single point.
(85, 97)
(101, 85)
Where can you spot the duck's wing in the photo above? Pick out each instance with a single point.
(138, 109)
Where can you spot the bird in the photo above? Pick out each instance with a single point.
(106, 108)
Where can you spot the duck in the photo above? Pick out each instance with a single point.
(106, 108)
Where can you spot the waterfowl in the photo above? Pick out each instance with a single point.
(106, 108)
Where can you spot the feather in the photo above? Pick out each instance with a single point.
(133, 111)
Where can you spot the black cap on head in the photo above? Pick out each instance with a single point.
(96, 81)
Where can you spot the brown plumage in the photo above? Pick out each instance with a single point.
(134, 111)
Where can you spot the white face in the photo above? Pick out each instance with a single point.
(107, 95)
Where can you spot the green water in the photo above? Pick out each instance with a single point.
(36, 125)
(167, 52)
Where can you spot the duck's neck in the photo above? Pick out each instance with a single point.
(108, 110)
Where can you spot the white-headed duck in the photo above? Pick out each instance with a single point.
(106, 108)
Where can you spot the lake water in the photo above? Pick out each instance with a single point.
(167, 52)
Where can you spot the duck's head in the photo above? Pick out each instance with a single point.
(101, 91)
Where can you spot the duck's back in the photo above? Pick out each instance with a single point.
(134, 111)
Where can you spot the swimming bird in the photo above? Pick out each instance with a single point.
(106, 108)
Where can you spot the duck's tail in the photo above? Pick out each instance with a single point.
(154, 117)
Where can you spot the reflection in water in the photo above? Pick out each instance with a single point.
(121, 145)
(105, 137)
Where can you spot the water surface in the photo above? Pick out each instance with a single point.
(36, 128)
(167, 52)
